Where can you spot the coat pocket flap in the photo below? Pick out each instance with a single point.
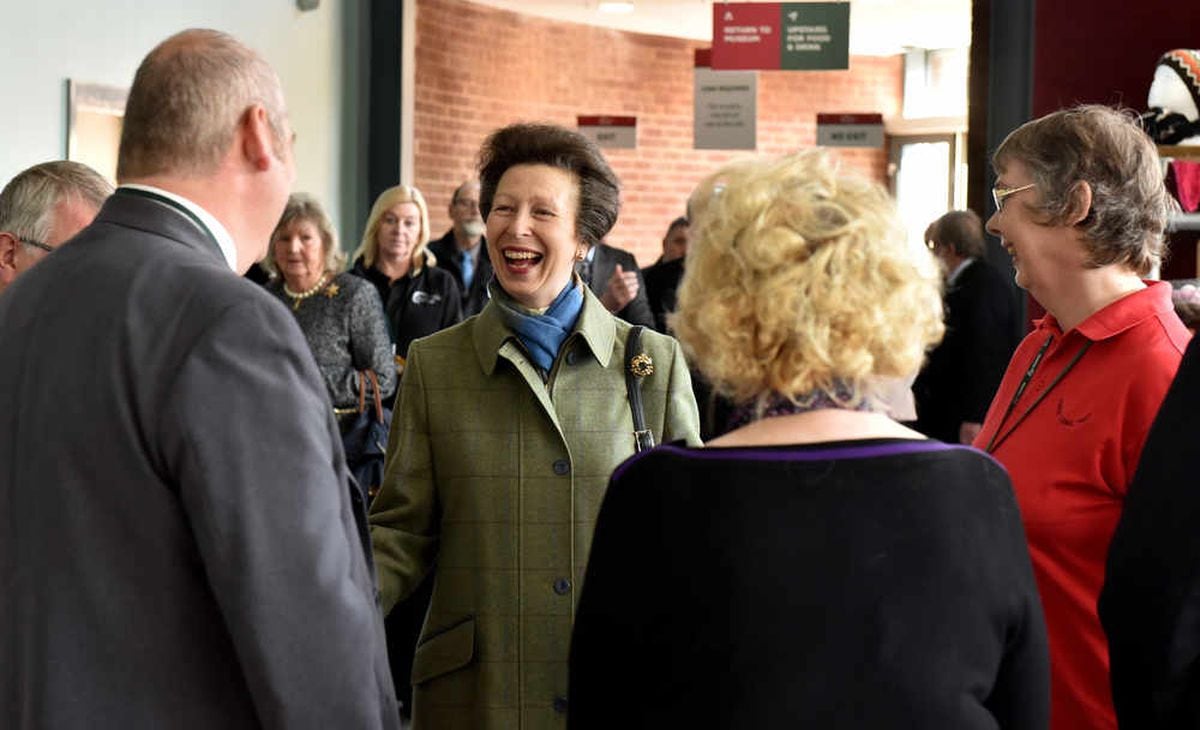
(450, 649)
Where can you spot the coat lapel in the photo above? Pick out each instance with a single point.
(494, 341)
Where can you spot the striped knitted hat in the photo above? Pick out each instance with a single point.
(1186, 63)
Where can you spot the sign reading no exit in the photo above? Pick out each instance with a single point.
(850, 130)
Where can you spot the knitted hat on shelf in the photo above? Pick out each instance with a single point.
(1174, 100)
(1186, 63)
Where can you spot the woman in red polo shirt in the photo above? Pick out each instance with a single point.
(1081, 208)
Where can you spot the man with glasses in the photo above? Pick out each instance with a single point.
(41, 208)
(461, 251)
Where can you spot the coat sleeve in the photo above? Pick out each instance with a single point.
(370, 344)
(1150, 604)
(682, 417)
(1020, 693)
(637, 311)
(452, 312)
(263, 485)
(612, 668)
(985, 343)
(405, 516)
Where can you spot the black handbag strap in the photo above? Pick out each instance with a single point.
(637, 366)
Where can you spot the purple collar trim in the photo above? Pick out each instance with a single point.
(799, 452)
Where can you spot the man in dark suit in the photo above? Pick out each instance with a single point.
(960, 377)
(463, 250)
(613, 275)
(179, 545)
(41, 208)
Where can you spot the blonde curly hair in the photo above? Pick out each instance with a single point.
(801, 279)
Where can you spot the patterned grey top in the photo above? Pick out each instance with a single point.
(345, 327)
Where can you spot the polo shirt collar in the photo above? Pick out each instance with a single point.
(1126, 312)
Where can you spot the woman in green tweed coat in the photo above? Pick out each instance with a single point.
(506, 431)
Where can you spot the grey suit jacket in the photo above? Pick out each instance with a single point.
(178, 546)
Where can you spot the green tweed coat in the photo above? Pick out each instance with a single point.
(497, 477)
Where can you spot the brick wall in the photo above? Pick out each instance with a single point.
(478, 68)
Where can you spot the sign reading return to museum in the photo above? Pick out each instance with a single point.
(788, 36)
(726, 107)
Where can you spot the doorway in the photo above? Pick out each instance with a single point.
(926, 178)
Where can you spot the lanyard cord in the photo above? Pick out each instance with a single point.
(997, 439)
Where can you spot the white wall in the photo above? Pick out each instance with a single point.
(46, 42)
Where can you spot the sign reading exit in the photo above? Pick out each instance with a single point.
(787, 36)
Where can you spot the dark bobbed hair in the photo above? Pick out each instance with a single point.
(961, 231)
(565, 149)
(1107, 149)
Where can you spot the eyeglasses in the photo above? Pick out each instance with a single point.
(36, 244)
(466, 203)
(999, 194)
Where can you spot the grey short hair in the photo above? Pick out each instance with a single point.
(186, 101)
(1107, 149)
(28, 200)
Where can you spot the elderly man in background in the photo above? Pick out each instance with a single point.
(41, 208)
(463, 250)
(180, 547)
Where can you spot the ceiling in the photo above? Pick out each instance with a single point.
(877, 27)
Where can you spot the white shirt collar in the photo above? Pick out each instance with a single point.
(958, 270)
(224, 240)
(591, 254)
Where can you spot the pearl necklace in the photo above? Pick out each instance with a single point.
(298, 297)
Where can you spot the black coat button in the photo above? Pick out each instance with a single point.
(571, 357)
(562, 467)
(562, 586)
(560, 704)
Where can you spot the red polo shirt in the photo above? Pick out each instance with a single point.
(1071, 460)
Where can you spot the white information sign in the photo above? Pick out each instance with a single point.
(726, 110)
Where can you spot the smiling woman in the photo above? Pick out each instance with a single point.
(1081, 208)
(418, 298)
(507, 429)
(339, 314)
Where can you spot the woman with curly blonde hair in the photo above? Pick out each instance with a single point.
(825, 562)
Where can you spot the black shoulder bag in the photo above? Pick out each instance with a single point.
(637, 366)
(365, 439)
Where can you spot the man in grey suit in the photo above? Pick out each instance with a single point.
(178, 543)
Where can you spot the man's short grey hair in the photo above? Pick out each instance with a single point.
(187, 99)
(28, 200)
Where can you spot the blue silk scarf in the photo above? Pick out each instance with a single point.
(542, 334)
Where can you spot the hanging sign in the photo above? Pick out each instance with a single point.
(788, 36)
(726, 107)
(850, 130)
(612, 132)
